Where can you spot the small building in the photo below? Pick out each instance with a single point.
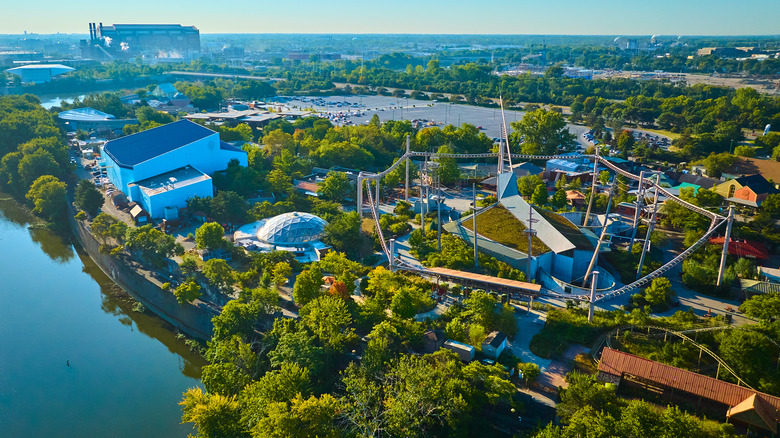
(433, 340)
(575, 198)
(749, 191)
(494, 344)
(139, 215)
(464, 351)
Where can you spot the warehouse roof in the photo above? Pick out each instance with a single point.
(85, 114)
(143, 146)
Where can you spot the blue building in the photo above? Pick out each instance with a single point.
(164, 166)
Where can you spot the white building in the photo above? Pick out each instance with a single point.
(39, 73)
(164, 166)
(295, 232)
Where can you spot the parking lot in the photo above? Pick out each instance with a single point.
(394, 108)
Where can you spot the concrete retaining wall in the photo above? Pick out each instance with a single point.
(192, 319)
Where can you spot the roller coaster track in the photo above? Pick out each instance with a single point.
(605, 341)
(716, 220)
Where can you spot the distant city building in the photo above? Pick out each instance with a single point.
(153, 41)
(39, 73)
(165, 166)
(10, 57)
(92, 120)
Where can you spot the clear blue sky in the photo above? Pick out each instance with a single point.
(562, 17)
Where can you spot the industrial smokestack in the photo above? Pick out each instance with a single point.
(91, 37)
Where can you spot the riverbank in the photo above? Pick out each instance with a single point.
(77, 360)
(192, 319)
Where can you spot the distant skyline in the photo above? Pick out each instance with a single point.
(562, 17)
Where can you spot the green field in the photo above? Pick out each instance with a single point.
(500, 225)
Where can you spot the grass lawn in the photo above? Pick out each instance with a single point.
(502, 226)
(670, 134)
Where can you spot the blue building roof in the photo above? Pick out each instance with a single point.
(143, 146)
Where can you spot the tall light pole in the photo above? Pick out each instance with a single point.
(474, 215)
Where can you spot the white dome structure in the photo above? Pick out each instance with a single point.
(291, 229)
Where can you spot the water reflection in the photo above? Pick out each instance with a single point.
(116, 301)
(52, 245)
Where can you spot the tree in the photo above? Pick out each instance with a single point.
(625, 142)
(101, 226)
(210, 236)
(403, 304)
(88, 197)
(543, 132)
(482, 307)
(764, 307)
(530, 372)
(39, 163)
(298, 347)
(604, 177)
(281, 272)
(329, 319)
(308, 285)
(559, 199)
(236, 318)
(301, 418)
(153, 245)
(335, 187)
(229, 206)
(343, 234)
(526, 185)
(540, 195)
(47, 194)
(278, 182)
(448, 170)
(659, 292)
(716, 164)
(215, 416)
(187, 292)
(744, 151)
(219, 274)
(188, 266)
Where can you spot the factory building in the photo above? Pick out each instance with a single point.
(161, 41)
(164, 166)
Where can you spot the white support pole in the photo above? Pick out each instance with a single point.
(438, 207)
(646, 245)
(474, 214)
(638, 205)
(593, 286)
(406, 186)
(360, 195)
(726, 240)
(377, 192)
(391, 248)
(593, 187)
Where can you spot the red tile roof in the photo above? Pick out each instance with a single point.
(744, 248)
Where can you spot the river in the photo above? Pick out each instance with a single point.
(127, 369)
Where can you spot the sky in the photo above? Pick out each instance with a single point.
(537, 17)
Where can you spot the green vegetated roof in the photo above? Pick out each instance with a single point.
(568, 229)
(500, 225)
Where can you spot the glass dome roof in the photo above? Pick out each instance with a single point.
(291, 229)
